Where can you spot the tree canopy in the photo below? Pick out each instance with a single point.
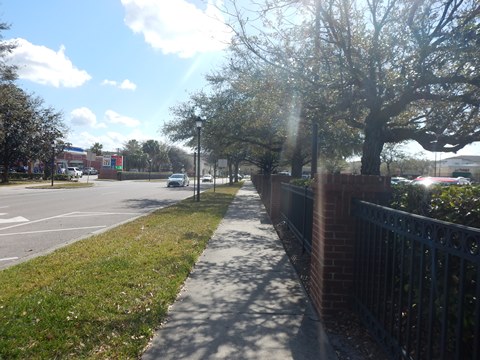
(395, 69)
(27, 126)
(258, 114)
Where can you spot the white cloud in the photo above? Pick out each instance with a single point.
(127, 85)
(115, 118)
(110, 140)
(178, 27)
(45, 66)
(109, 82)
(113, 140)
(124, 85)
(85, 117)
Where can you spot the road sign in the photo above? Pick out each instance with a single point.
(117, 162)
(91, 156)
(107, 161)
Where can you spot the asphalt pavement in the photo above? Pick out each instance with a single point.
(243, 299)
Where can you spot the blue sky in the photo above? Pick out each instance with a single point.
(114, 67)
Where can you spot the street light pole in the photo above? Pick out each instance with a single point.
(198, 122)
(149, 168)
(52, 144)
(194, 174)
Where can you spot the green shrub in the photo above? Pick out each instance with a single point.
(24, 176)
(301, 182)
(456, 204)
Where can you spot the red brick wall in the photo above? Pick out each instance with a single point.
(333, 237)
(108, 173)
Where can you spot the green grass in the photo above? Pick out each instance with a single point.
(62, 185)
(103, 297)
(43, 184)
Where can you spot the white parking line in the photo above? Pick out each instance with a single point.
(84, 214)
(33, 221)
(55, 230)
(16, 219)
(71, 214)
(10, 258)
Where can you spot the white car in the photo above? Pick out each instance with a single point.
(74, 171)
(178, 180)
(207, 178)
(90, 171)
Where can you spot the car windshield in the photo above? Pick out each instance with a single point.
(177, 176)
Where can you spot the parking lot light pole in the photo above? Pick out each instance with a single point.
(52, 144)
(194, 175)
(198, 122)
(149, 168)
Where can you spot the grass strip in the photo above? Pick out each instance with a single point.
(103, 297)
(64, 185)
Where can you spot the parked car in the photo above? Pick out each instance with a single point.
(74, 171)
(399, 180)
(90, 171)
(431, 180)
(178, 180)
(207, 178)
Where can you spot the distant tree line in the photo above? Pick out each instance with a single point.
(150, 155)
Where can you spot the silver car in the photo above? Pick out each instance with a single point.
(178, 180)
(74, 171)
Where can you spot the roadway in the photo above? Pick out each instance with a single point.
(34, 222)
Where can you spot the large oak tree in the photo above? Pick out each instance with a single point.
(398, 70)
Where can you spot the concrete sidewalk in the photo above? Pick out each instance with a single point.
(243, 300)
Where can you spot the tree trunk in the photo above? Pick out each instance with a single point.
(230, 172)
(237, 166)
(5, 175)
(372, 148)
(297, 161)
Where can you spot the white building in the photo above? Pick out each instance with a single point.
(460, 164)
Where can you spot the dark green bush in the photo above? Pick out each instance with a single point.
(301, 182)
(24, 176)
(456, 204)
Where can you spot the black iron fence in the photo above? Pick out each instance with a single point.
(417, 283)
(296, 208)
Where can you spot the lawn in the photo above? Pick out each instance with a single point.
(103, 297)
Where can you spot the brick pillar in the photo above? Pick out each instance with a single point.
(333, 236)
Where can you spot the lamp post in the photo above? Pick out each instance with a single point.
(195, 174)
(314, 165)
(52, 144)
(149, 168)
(198, 123)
